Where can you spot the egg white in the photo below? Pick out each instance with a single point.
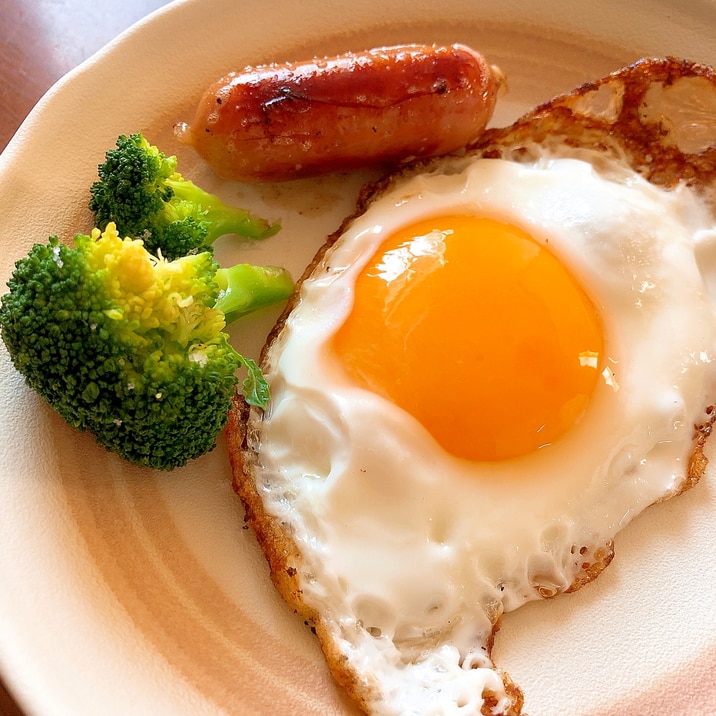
(412, 554)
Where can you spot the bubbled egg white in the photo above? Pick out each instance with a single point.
(410, 552)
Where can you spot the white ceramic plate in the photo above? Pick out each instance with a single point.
(131, 592)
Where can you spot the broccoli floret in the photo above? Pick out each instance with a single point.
(129, 346)
(141, 192)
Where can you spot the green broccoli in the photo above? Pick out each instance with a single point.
(140, 190)
(131, 347)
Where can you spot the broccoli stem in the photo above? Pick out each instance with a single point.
(247, 288)
(222, 219)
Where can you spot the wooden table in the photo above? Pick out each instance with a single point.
(40, 41)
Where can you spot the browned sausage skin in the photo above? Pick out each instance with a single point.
(381, 107)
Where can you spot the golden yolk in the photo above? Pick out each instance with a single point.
(476, 330)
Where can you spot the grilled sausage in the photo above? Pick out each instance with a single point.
(381, 107)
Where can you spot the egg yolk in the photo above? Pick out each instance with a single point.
(476, 330)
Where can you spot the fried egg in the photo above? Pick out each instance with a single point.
(487, 374)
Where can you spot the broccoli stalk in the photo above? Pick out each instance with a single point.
(245, 288)
(140, 190)
(129, 346)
